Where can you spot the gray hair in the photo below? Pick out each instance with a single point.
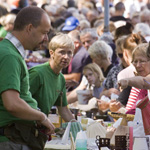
(142, 28)
(74, 35)
(84, 24)
(100, 48)
(91, 31)
(145, 12)
(107, 37)
(72, 10)
(51, 8)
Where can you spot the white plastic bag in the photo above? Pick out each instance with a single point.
(137, 124)
(114, 96)
(95, 129)
(66, 134)
(105, 98)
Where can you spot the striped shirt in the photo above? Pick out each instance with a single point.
(132, 97)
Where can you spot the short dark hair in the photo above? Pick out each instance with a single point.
(28, 15)
(123, 30)
(119, 6)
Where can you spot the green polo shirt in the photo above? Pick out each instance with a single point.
(3, 32)
(13, 75)
(46, 86)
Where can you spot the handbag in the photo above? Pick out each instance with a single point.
(27, 134)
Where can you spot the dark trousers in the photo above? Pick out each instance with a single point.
(12, 146)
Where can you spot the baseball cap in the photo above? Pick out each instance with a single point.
(70, 24)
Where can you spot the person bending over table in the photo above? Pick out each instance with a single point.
(47, 83)
(18, 110)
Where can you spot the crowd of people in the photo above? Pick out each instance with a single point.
(50, 49)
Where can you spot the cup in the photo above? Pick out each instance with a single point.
(81, 98)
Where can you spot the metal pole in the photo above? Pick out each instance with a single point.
(106, 16)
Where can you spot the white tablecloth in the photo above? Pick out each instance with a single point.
(57, 145)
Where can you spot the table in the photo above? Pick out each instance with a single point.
(57, 145)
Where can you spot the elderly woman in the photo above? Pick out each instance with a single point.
(141, 62)
(124, 48)
(101, 53)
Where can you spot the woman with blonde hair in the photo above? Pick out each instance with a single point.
(95, 78)
(7, 23)
(95, 82)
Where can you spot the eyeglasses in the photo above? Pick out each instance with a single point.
(120, 55)
(142, 62)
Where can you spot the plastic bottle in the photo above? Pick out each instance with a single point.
(81, 141)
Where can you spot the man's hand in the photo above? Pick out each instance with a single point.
(103, 105)
(88, 96)
(123, 83)
(114, 105)
(48, 124)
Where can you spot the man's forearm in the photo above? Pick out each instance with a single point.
(139, 82)
(72, 97)
(65, 113)
(73, 76)
(19, 108)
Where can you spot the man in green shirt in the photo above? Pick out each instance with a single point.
(47, 83)
(16, 103)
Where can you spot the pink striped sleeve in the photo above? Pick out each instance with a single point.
(132, 97)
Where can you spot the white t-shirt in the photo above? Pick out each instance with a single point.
(126, 73)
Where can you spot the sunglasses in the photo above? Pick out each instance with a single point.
(120, 55)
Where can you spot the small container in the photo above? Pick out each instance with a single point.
(81, 141)
(81, 98)
(81, 144)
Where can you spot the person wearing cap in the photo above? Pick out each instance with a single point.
(71, 23)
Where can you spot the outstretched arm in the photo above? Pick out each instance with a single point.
(138, 82)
